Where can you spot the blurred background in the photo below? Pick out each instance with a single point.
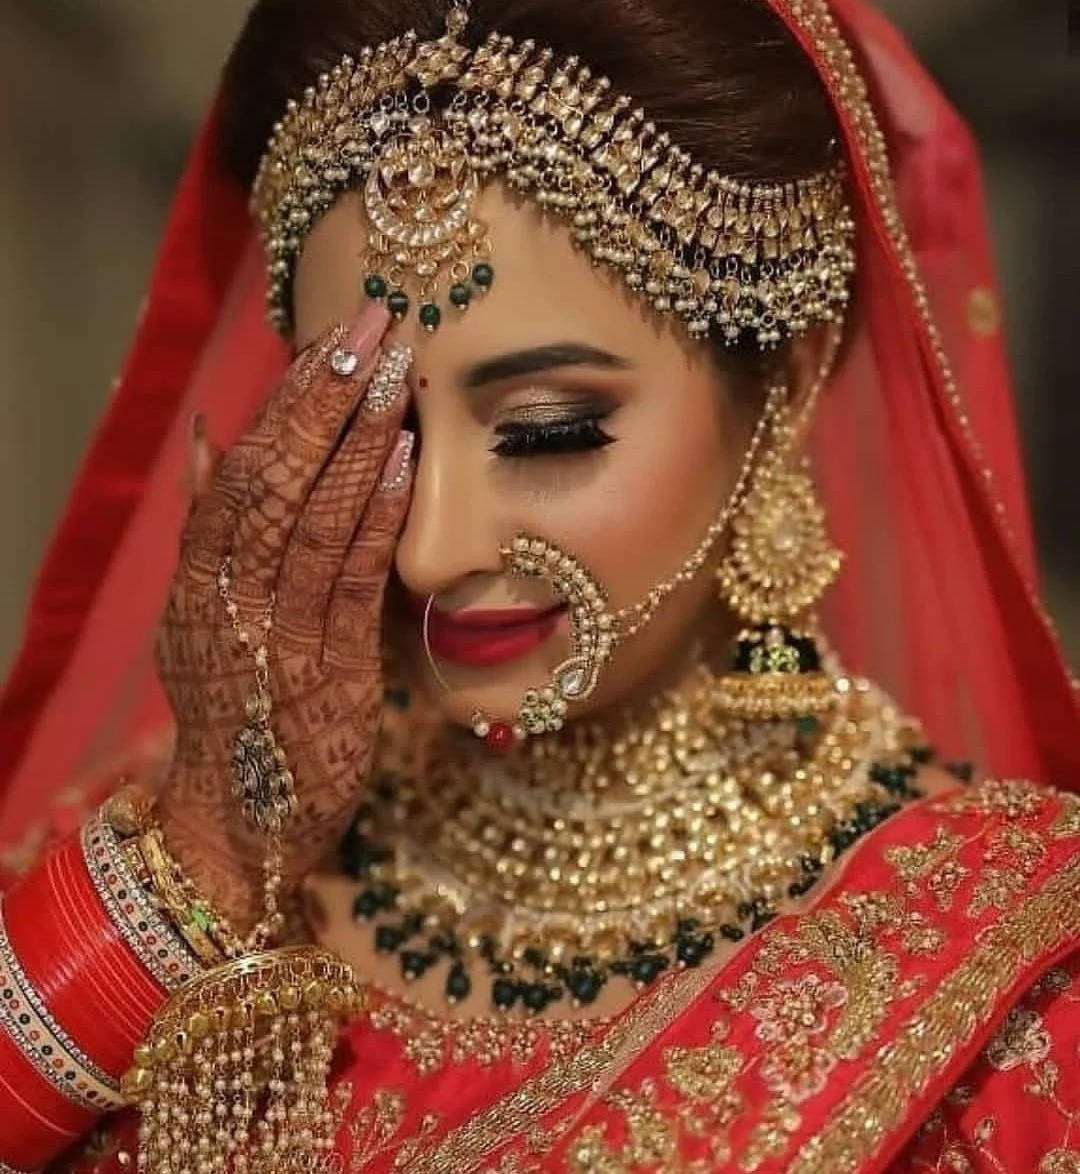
(100, 99)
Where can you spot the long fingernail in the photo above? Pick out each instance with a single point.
(371, 325)
(359, 339)
(388, 381)
(395, 474)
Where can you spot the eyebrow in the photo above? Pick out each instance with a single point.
(541, 358)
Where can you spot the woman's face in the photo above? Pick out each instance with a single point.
(558, 405)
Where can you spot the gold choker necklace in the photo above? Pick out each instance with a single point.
(600, 852)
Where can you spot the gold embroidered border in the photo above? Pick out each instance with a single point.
(923, 1047)
(522, 1109)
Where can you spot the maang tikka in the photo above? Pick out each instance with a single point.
(419, 127)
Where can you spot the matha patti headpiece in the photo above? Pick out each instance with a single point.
(419, 127)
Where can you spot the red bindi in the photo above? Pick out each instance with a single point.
(423, 381)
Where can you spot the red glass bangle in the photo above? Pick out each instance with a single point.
(37, 1121)
(74, 956)
(76, 999)
(110, 982)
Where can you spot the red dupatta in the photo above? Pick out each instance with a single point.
(916, 1017)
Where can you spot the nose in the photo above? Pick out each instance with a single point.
(449, 533)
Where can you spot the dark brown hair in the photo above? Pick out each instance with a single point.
(724, 78)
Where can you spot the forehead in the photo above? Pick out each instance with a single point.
(545, 289)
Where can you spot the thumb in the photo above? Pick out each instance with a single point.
(202, 457)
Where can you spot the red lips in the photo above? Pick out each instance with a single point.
(480, 638)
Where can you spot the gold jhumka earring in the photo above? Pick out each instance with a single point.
(779, 566)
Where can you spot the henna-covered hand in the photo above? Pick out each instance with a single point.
(307, 505)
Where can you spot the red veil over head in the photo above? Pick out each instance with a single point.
(915, 444)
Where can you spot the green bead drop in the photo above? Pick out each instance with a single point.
(460, 295)
(483, 276)
(375, 286)
(430, 316)
(398, 303)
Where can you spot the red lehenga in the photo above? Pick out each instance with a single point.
(924, 1014)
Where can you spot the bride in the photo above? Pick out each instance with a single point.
(600, 670)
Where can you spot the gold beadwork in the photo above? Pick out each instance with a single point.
(596, 837)
(781, 562)
(233, 1072)
(261, 776)
(727, 257)
(591, 630)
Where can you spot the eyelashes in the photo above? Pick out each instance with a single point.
(554, 438)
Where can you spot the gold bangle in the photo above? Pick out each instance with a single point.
(193, 917)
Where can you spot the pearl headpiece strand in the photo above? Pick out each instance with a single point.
(419, 127)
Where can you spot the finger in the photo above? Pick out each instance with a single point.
(210, 528)
(271, 477)
(329, 517)
(310, 434)
(354, 613)
(202, 457)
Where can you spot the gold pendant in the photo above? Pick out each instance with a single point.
(419, 199)
(261, 778)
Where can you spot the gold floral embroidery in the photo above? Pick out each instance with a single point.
(874, 909)
(705, 1077)
(1021, 1039)
(934, 863)
(738, 997)
(651, 1139)
(994, 890)
(959, 1003)
(430, 1043)
(831, 1020)
(404, 1158)
(1017, 847)
(519, 1113)
(1060, 1161)
(867, 971)
(919, 936)
(789, 1017)
(1008, 798)
(1020, 1056)
(375, 1125)
(877, 910)
(1068, 822)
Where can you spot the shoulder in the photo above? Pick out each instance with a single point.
(989, 857)
(871, 1005)
(1013, 1107)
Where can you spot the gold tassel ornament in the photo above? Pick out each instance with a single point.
(232, 1075)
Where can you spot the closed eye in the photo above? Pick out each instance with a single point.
(531, 439)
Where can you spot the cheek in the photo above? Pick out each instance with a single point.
(650, 505)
